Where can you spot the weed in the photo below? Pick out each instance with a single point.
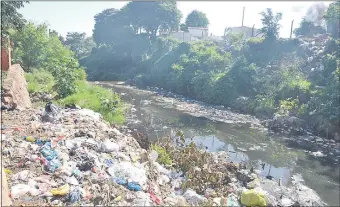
(103, 101)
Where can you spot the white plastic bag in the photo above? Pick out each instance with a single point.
(19, 190)
(108, 146)
(161, 169)
(23, 175)
(128, 171)
(153, 155)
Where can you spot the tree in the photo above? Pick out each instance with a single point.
(183, 27)
(152, 16)
(197, 19)
(79, 44)
(332, 19)
(270, 24)
(307, 28)
(10, 18)
(29, 45)
(111, 28)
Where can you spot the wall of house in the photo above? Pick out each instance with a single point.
(181, 36)
(198, 32)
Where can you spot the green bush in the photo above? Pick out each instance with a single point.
(163, 156)
(40, 81)
(98, 99)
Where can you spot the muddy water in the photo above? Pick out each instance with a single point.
(219, 129)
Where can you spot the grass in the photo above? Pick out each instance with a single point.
(98, 99)
(40, 81)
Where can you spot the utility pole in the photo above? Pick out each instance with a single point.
(291, 29)
(252, 31)
(243, 15)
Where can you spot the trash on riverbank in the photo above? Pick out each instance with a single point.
(89, 163)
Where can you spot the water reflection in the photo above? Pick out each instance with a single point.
(266, 153)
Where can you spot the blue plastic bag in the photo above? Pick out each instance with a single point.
(134, 186)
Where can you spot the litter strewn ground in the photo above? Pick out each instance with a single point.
(74, 158)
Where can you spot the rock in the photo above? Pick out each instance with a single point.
(15, 89)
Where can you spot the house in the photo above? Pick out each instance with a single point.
(247, 31)
(199, 32)
(193, 34)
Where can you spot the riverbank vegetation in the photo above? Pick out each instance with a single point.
(261, 75)
(257, 75)
(53, 68)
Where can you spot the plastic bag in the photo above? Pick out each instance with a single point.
(23, 175)
(19, 190)
(108, 146)
(127, 171)
(193, 198)
(153, 155)
(253, 198)
(62, 190)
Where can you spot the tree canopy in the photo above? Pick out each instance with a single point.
(307, 28)
(332, 17)
(10, 18)
(79, 43)
(197, 19)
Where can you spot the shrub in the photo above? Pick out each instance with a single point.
(40, 81)
(163, 156)
(98, 99)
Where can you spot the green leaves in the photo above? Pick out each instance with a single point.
(30, 45)
(197, 19)
(10, 18)
(35, 48)
(270, 24)
(79, 44)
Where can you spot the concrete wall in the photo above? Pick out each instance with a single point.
(198, 32)
(247, 31)
(181, 36)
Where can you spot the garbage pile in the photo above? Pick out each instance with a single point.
(74, 158)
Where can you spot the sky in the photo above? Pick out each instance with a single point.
(78, 16)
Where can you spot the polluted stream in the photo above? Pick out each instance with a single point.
(241, 136)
